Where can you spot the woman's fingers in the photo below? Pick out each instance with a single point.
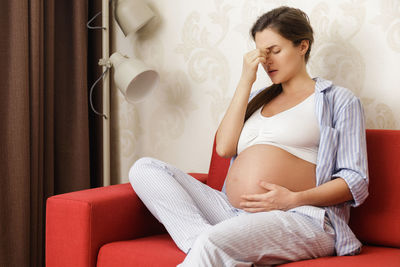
(250, 63)
(253, 61)
(262, 60)
(252, 56)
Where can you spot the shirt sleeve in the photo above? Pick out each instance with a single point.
(351, 160)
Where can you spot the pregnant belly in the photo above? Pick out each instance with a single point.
(271, 164)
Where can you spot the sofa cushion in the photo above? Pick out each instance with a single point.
(370, 257)
(160, 250)
(377, 220)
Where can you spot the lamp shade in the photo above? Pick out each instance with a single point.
(131, 15)
(133, 78)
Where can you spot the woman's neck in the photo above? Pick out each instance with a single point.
(299, 84)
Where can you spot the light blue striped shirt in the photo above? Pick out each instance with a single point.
(342, 153)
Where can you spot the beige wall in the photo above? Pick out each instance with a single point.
(197, 48)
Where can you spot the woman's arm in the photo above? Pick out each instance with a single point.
(328, 194)
(229, 130)
(351, 160)
(231, 125)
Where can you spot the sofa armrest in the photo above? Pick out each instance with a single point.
(79, 223)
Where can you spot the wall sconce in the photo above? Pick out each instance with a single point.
(132, 77)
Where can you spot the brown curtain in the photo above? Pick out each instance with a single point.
(94, 72)
(44, 136)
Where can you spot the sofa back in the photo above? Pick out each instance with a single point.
(377, 220)
(218, 170)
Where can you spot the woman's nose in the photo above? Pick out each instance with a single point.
(268, 60)
(268, 63)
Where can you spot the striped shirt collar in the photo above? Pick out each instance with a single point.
(322, 84)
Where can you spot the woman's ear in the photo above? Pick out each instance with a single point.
(304, 45)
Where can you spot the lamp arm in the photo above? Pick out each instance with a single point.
(94, 27)
(91, 92)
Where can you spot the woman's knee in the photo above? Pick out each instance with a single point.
(147, 169)
(138, 169)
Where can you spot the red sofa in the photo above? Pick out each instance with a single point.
(109, 226)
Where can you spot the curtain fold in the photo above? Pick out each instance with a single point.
(71, 128)
(44, 136)
(95, 121)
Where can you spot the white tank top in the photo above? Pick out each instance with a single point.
(295, 130)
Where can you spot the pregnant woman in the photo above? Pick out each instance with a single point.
(298, 163)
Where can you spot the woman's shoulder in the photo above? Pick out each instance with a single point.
(336, 93)
(340, 98)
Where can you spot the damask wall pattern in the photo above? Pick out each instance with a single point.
(197, 48)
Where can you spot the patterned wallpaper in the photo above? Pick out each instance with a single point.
(197, 48)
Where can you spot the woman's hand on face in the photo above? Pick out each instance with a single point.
(250, 64)
(277, 198)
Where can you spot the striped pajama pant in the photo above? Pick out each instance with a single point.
(212, 232)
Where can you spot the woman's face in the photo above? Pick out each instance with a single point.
(284, 60)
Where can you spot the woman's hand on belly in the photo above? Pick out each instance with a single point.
(276, 198)
(270, 164)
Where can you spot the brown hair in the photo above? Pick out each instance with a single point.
(294, 25)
